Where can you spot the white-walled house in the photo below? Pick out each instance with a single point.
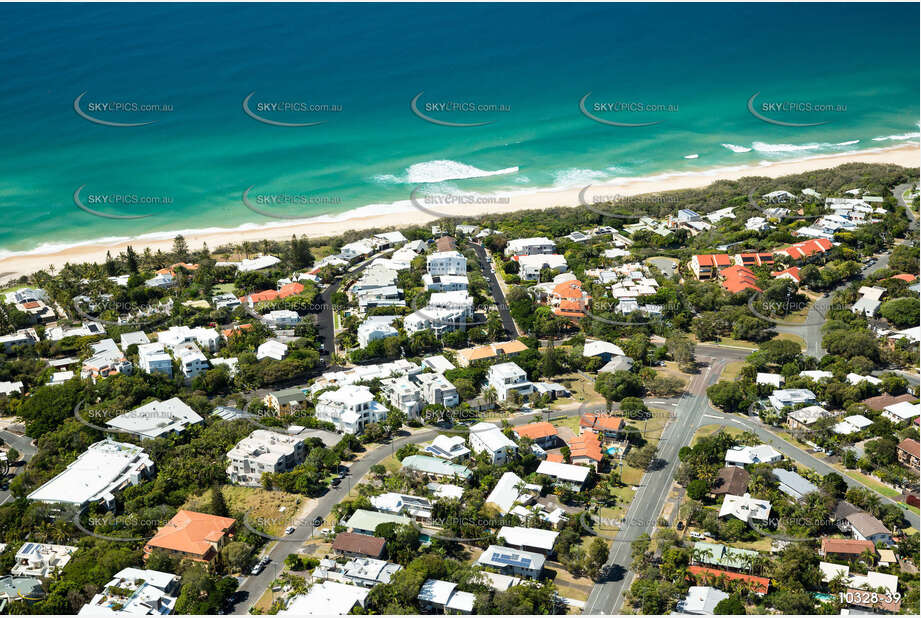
(508, 377)
(350, 408)
(272, 349)
(192, 362)
(446, 263)
(374, 328)
(437, 389)
(404, 395)
(530, 246)
(263, 451)
(487, 437)
(530, 266)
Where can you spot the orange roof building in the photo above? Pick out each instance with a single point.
(172, 269)
(290, 289)
(806, 249)
(905, 277)
(606, 424)
(707, 266)
(738, 278)
(236, 328)
(259, 297)
(707, 575)
(754, 259)
(788, 273)
(490, 352)
(197, 536)
(568, 299)
(585, 449)
(845, 547)
(555, 458)
(538, 432)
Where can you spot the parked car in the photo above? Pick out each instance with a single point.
(257, 569)
(290, 529)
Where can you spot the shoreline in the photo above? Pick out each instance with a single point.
(404, 214)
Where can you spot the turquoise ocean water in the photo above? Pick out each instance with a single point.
(692, 67)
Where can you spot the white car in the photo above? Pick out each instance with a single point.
(290, 529)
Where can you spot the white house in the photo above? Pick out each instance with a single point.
(445, 598)
(488, 438)
(437, 389)
(507, 493)
(350, 408)
(208, 338)
(869, 301)
(528, 539)
(263, 451)
(565, 474)
(451, 448)
(774, 379)
(445, 283)
(701, 601)
(156, 418)
(357, 249)
(530, 266)
(446, 263)
(272, 349)
(741, 456)
(782, 398)
(152, 358)
(41, 559)
(510, 561)
(852, 424)
(417, 507)
(901, 412)
(508, 377)
(283, 318)
(325, 598)
(746, 508)
(133, 592)
(374, 328)
(404, 395)
(192, 362)
(530, 246)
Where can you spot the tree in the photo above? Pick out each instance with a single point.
(730, 606)
(697, 489)
(903, 312)
(236, 556)
(597, 554)
(180, 248)
(218, 506)
(633, 407)
(727, 396)
(641, 457)
(617, 385)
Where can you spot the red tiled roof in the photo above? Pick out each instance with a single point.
(31, 304)
(718, 259)
(555, 458)
(350, 542)
(290, 289)
(586, 445)
(191, 533)
(806, 248)
(852, 547)
(755, 258)
(882, 602)
(535, 431)
(229, 332)
(757, 584)
(601, 422)
(446, 243)
(912, 447)
(904, 277)
(738, 278)
(793, 271)
(259, 297)
(881, 402)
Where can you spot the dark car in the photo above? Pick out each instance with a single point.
(335, 482)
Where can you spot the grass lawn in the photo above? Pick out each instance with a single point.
(392, 464)
(652, 431)
(571, 422)
(791, 337)
(763, 544)
(263, 507)
(567, 584)
(223, 288)
(709, 430)
(737, 343)
(670, 369)
(732, 370)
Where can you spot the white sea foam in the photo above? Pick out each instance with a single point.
(765, 147)
(849, 143)
(691, 156)
(897, 138)
(735, 148)
(574, 176)
(439, 171)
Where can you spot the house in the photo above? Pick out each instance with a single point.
(369, 572)
(105, 468)
(738, 278)
(437, 389)
(618, 363)
(60, 377)
(285, 398)
(610, 427)
(604, 350)
(192, 362)
(778, 197)
(845, 549)
(156, 418)
(355, 250)
(880, 402)
(707, 266)
(417, 507)
(445, 283)
(444, 597)
(723, 556)
(257, 263)
(446, 491)
(451, 448)
(745, 508)
(791, 274)
(492, 351)
(175, 336)
(773, 379)
(446, 243)
(134, 591)
(194, 536)
(366, 522)
(730, 480)
(789, 397)
(385, 240)
(272, 349)
(227, 300)
(41, 559)
(746, 455)
(26, 336)
(528, 539)
(852, 424)
(488, 438)
(438, 363)
(902, 412)
(282, 318)
(353, 545)
(508, 492)
(753, 259)
(543, 433)
(261, 452)
(585, 449)
(757, 224)
(10, 388)
(509, 561)
(806, 249)
(433, 466)
(758, 585)
(530, 246)
(404, 395)
(446, 263)
(350, 408)
(568, 475)
(817, 374)
(793, 484)
(804, 418)
(909, 453)
(326, 598)
(869, 301)
(506, 378)
(701, 601)
(860, 524)
(718, 215)
(530, 266)
(855, 379)
(568, 299)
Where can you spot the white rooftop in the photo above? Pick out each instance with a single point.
(156, 418)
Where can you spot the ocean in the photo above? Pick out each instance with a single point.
(542, 92)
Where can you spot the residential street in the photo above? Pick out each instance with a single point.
(495, 290)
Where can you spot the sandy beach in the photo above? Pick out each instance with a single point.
(14, 266)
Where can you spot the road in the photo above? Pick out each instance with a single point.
(643, 513)
(811, 329)
(496, 290)
(899, 193)
(27, 451)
